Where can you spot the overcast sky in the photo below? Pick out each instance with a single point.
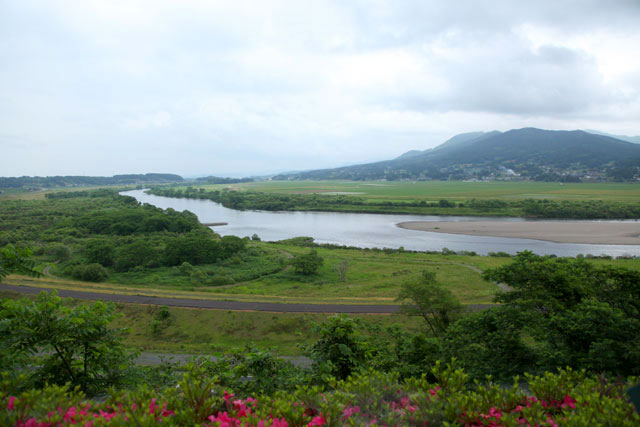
(93, 87)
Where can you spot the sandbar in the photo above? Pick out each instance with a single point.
(592, 232)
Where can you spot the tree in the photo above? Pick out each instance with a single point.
(75, 344)
(489, 342)
(307, 264)
(16, 260)
(99, 251)
(340, 349)
(577, 314)
(342, 268)
(427, 298)
(139, 253)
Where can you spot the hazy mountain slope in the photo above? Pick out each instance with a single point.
(528, 151)
(634, 139)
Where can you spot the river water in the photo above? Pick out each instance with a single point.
(367, 230)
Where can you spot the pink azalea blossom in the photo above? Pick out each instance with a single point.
(350, 411)
(569, 402)
(11, 404)
(317, 421)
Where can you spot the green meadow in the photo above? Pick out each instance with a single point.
(452, 190)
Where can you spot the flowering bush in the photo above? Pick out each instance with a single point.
(566, 398)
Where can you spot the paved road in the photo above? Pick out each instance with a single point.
(223, 305)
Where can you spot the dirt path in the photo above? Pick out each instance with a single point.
(223, 305)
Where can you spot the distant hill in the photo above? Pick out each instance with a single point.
(71, 181)
(634, 139)
(520, 153)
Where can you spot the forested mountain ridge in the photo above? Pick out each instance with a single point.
(527, 153)
(69, 181)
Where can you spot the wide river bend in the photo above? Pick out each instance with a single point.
(367, 230)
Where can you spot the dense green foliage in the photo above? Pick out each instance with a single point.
(307, 264)
(92, 235)
(578, 314)
(254, 200)
(427, 298)
(16, 260)
(67, 181)
(221, 180)
(57, 344)
(567, 398)
(359, 376)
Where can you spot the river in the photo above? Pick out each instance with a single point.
(367, 230)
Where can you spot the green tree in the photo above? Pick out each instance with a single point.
(340, 349)
(576, 313)
(75, 344)
(138, 253)
(100, 251)
(307, 264)
(429, 299)
(489, 342)
(16, 260)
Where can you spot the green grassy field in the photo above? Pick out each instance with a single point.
(456, 190)
(372, 277)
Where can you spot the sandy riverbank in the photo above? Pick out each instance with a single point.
(593, 232)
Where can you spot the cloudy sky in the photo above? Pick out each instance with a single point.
(94, 87)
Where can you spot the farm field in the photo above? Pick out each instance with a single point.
(451, 190)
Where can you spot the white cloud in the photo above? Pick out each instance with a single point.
(280, 85)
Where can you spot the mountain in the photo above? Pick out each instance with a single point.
(634, 139)
(527, 153)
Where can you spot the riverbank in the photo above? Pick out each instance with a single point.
(589, 232)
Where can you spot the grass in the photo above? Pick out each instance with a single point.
(199, 331)
(452, 190)
(22, 194)
(372, 277)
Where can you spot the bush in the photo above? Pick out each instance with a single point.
(307, 264)
(58, 251)
(76, 344)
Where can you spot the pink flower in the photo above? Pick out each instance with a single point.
(279, 423)
(317, 421)
(11, 404)
(551, 422)
(70, 415)
(227, 395)
(152, 406)
(434, 391)
(166, 413)
(569, 402)
(493, 412)
(349, 411)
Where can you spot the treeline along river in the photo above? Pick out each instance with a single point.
(367, 230)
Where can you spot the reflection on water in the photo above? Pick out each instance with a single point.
(367, 230)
